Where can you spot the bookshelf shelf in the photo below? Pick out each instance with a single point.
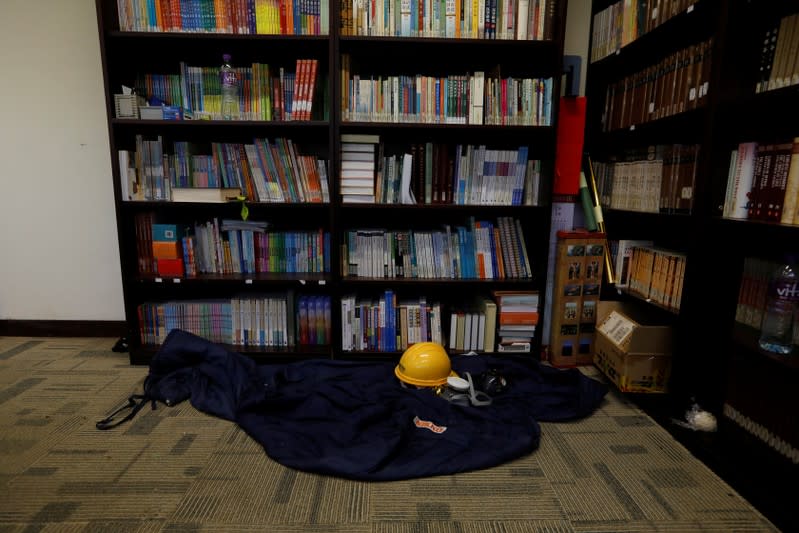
(716, 361)
(144, 59)
(284, 125)
(194, 37)
(259, 278)
(746, 337)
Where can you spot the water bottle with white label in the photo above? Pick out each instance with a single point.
(229, 83)
(777, 328)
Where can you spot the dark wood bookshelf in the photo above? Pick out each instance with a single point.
(716, 361)
(128, 54)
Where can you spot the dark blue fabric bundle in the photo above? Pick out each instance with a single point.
(355, 419)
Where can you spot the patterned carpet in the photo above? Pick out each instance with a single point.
(175, 469)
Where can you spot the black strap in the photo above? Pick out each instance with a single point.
(135, 403)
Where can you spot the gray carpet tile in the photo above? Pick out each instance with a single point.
(179, 470)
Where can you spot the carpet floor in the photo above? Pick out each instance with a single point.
(176, 469)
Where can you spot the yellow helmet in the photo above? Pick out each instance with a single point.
(424, 364)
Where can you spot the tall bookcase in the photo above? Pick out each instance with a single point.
(428, 65)
(716, 361)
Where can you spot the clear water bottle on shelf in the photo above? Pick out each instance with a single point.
(229, 82)
(779, 316)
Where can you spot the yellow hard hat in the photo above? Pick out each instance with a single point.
(424, 364)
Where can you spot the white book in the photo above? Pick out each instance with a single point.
(730, 190)
(405, 185)
(523, 7)
(368, 138)
(357, 147)
(453, 328)
(355, 181)
(358, 165)
(357, 199)
(742, 182)
(125, 185)
(357, 173)
(347, 190)
(365, 156)
(405, 18)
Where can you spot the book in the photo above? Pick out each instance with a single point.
(359, 138)
(356, 147)
(406, 194)
(206, 195)
(740, 192)
(764, 160)
(127, 176)
(789, 209)
(778, 180)
(488, 309)
(357, 199)
(368, 173)
(517, 346)
(360, 156)
(623, 258)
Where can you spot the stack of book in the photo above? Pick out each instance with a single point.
(518, 317)
(358, 165)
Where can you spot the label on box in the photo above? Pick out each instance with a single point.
(617, 328)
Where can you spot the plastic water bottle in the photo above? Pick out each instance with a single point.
(229, 82)
(776, 330)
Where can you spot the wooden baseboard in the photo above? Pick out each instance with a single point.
(62, 328)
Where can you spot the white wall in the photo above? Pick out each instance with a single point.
(58, 246)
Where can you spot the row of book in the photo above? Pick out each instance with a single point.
(479, 250)
(385, 323)
(453, 19)
(756, 275)
(263, 171)
(779, 60)
(475, 98)
(222, 249)
(265, 93)
(624, 21)
(653, 273)
(674, 84)
(763, 182)
(231, 247)
(264, 321)
(434, 173)
(282, 17)
(660, 180)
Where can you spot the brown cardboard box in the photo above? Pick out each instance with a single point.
(631, 349)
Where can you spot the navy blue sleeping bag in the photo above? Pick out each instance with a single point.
(356, 420)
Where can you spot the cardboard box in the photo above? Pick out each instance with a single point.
(632, 350)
